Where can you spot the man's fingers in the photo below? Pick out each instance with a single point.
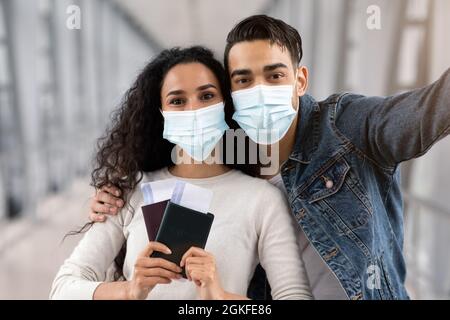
(94, 217)
(109, 199)
(103, 208)
(112, 190)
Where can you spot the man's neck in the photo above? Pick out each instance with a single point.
(288, 142)
(285, 146)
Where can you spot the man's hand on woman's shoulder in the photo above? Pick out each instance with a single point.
(105, 202)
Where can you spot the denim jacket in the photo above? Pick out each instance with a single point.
(343, 180)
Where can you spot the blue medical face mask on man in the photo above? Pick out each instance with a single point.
(265, 112)
(196, 132)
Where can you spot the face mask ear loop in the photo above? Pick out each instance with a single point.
(295, 89)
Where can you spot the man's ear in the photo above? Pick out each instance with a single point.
(302, 80)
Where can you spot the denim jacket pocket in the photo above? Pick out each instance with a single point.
(337, 195)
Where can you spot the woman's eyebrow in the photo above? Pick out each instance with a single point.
(206, 86)
(175, 93)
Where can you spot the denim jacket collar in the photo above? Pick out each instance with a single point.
(308, 130)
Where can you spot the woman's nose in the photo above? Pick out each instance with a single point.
(190, 106)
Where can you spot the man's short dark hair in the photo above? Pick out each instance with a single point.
(262, 27)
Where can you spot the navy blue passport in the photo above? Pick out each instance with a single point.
(182, 228)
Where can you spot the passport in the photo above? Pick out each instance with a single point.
(182, 228)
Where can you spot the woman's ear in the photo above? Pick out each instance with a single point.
(302, 80)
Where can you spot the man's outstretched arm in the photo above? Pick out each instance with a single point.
(397, 128)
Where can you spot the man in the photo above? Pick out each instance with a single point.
(339, 161)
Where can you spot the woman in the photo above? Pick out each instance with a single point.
(177, 87)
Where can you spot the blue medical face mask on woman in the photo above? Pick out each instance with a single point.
(196, 132)
(265, 112)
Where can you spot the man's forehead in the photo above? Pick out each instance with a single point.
(257, 54)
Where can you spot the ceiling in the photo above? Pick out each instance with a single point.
(188, 22)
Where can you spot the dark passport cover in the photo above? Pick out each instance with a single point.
(153, 215)
(182, 228)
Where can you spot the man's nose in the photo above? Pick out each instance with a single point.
(258, 81)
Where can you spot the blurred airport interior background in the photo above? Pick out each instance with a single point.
(58, 87)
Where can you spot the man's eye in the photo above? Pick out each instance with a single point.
(277, 76)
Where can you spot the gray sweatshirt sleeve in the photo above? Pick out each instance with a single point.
(86, 269)
(278, 249)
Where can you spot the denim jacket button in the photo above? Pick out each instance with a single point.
(329, 184)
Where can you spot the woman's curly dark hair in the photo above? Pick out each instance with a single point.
(134, 143)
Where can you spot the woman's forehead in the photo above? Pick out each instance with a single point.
(189, 75)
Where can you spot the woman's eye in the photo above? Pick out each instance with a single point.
(207, 96)
(176, 102)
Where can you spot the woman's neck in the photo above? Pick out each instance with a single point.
(198, 171)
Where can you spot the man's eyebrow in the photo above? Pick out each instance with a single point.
(206, 86)
(240, 72)
(274, 66)
(175, 93)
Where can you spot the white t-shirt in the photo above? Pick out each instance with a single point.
(252, 225)
(324, 284)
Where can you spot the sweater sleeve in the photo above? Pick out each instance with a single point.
(278, 248)
(86, 268)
